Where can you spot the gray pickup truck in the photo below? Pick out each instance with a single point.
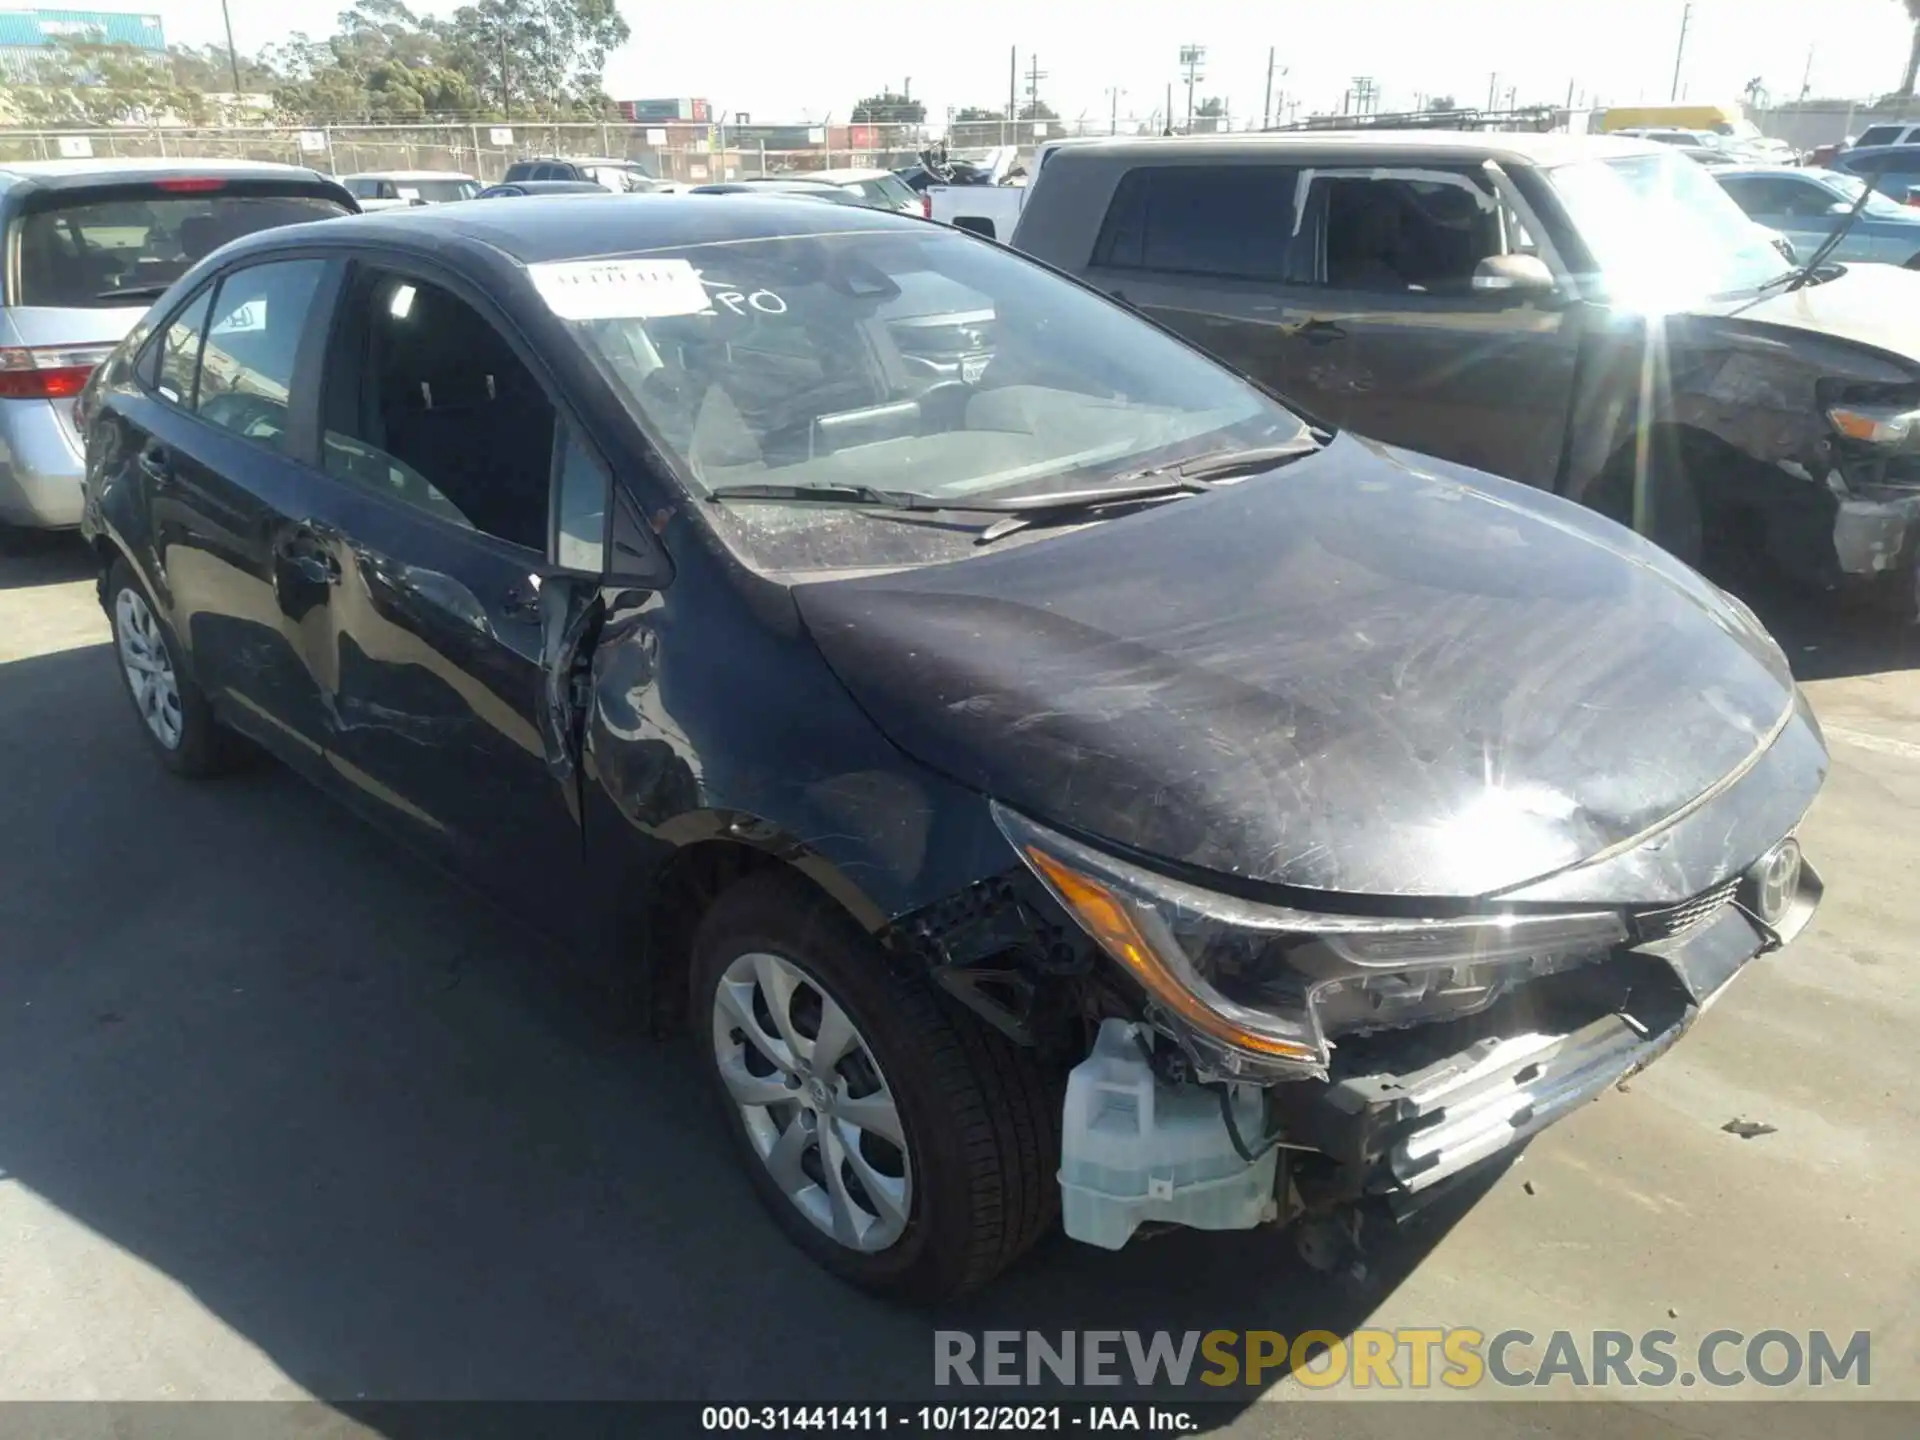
(1589, 315)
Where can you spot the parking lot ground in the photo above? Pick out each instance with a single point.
(282, 1114)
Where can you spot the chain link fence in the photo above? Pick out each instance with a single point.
(675, 151)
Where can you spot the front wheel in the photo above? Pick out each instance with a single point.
(901, 1143)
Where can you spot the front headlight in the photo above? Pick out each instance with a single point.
(1257, 986)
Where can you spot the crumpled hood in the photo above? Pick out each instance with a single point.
(1877, 305)
(1367, 672)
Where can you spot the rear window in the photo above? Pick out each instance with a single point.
(84, 253)
(885, 190)
(1232, 221)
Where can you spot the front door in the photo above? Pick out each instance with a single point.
(465, 519)
(1403, 347)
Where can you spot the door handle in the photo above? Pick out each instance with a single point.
(308, 558)
(1320, 332)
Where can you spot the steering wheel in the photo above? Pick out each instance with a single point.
(943, 406)
(240, 411)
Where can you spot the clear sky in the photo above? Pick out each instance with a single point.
(811, 59)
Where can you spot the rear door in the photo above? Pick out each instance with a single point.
(464, 516)
(223, 432)
(1210, 251)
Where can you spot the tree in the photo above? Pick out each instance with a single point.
(81, 81)
(1210, 115)
(1037, 110)
(973, 113)
(1442, 102)
(208, 70)
(1913, 50)
(542, 56)
(888, 108)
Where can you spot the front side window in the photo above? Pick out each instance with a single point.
(1231, 221)
(246, 367)
(1421, 234)
(427, 404)
(101, 253)
(891, 359)
(1880, 135)
(1847, 188)
(1661, 231)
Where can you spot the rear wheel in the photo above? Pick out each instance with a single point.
(898, 1141)
(173, 712)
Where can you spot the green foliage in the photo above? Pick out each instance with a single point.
(383, 64)
(81, 81)
(976, 113)
(887, 108)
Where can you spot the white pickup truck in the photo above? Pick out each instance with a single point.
(992, 210)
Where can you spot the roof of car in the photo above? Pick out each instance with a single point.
(55, 174)
(407, 175)
(1530, 149)
(574, 160)
(550, 187)
(846, 177)
(556, 227)
(1868, 152)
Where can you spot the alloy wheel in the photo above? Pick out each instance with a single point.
(148, 667)
(817, 1108)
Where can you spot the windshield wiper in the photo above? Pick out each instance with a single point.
(135, 292)
(1159, 482)
(1840, 233)
(837, 495)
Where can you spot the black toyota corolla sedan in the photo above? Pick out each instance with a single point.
(1064, 785)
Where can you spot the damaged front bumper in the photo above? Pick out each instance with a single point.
(1404, 1113)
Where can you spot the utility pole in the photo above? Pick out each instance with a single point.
(1114, 92)
(1190, 57)
(1013, 92)
(1169, 107)
(1680, 50)
(1266, 105)
(233, 55)
(1035, 76)
(1363, 93)
(1493, 88)
(1806, 78)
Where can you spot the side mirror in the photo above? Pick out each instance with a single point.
(977, 224)
(1518, 276)
(1839, 207)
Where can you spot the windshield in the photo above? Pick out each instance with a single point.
(1848, 188)
(76, 255)
(1662, 232)
(437, 192)
(911, 359)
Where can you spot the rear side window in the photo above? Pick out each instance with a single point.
(177, 352)
(84, 253)
(246, 368)
(1231, 221)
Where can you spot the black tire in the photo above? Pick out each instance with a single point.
(1673, 521)
(980, 1115)
(205, 747)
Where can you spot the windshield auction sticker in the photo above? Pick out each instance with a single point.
(620, 289)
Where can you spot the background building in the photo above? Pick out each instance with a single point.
(27, 35)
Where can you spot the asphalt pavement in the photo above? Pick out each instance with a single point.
(284, 1114)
